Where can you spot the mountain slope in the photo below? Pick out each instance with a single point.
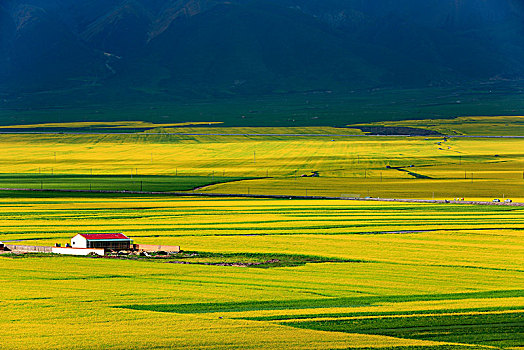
(121, 31)
(164, 50)
(257, 48)
(44, 54)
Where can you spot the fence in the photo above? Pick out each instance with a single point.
(28, 248)
(157, 248)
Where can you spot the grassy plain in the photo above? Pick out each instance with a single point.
(439, 263)
(290, 109)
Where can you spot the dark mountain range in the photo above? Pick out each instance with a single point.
(165, 49)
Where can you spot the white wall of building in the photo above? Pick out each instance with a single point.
(77, 251)
(78, 242)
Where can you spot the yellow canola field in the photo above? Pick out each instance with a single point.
(425, 233)
(347, 166)
(71, 302)
(105, 125)
(455, 250)
(406, 257)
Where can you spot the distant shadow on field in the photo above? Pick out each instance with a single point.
(196, 308)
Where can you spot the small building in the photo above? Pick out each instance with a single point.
(2, 246)
(107, 241)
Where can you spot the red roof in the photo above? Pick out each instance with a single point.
(94, 236)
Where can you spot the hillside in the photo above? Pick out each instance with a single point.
(64, 54)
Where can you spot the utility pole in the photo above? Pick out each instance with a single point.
(254, 157)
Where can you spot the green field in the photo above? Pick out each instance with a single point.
(110, 182)
(283, 109)
(491, 329)
(264, 273)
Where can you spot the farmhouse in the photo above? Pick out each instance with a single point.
(108, 241)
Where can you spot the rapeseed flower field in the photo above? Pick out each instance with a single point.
(426, 264)
(321, 165)
(366, 274)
